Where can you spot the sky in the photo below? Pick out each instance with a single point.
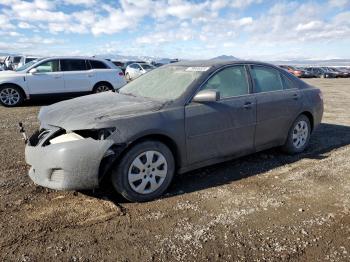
(249, 29)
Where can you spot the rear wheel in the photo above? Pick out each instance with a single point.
(11, 96)
(102, 87)
(144, 172)
(298, 136)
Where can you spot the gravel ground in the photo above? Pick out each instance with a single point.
(267, 206)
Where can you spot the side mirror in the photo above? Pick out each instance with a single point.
(208, 95)
(33, 71)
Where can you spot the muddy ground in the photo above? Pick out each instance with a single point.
(267, 206)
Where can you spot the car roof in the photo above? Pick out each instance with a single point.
(216, 63)
(75, 57)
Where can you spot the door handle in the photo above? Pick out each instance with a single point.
(247, 105)
(90, 75)
(295, 96)
(57, 76)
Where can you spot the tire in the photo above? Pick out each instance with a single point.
(102, 87)
(135, 183)
(298, 136)
(11, 96)
(127, 76)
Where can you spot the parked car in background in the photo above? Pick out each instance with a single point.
(137, 69)
(298, 72)
(26, 59)
(118, 64)
(321, 73)
(339, 73)
(129, 63)
(344, 72)
(59, 76)
(11, 62)
(155, 64)
(174, 119)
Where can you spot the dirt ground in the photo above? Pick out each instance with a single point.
(264, 207)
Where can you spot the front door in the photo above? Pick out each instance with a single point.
(47, 79)
(226, 127)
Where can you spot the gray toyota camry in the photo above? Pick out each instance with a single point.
(176, 118)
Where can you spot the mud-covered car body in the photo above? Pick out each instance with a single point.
(198, 134)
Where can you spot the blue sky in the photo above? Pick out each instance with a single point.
(249, 29)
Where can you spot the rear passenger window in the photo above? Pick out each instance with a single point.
(287, 83)
(73, 65)
(266, 79)
(97, 64)
(230, 82)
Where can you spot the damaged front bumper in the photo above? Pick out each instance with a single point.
(67, 165)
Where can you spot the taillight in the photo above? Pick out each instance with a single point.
(120, 73)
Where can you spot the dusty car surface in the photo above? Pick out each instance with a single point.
(173, 119)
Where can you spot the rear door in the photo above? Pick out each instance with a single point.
(226, 127)
(77, 76)
(278, 104)
(47, 80)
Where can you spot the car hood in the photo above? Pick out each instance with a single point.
(95, 111)
(10, 73)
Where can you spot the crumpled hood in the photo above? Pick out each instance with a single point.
(95, 111)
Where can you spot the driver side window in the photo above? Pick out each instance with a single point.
(48, 67)
(229, 82)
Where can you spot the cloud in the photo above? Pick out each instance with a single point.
(339, 3)
(178, 26)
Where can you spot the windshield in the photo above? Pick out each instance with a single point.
(165, 83)
(27, 65)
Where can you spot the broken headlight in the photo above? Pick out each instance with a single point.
(96, 134)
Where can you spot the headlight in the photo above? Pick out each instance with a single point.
(66, 138)
(97, 134)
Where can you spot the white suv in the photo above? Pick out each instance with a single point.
(67, 76)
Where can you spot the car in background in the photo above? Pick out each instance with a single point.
(129, 63)
(321, 72)
(137, 69)
(298, 72)
(156, 64)
(59, 76)
(118, 64)
(11, 62)
(340, 73)
(345, 72)
(174, 119)
(26, 59)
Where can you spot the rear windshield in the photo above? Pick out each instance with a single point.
(165, 83)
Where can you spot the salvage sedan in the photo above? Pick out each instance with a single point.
(173, 119)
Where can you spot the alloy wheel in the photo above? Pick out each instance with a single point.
(102, 88)
(9, 96)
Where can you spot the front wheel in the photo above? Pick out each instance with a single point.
(144, 172)
(298, 136)
(11, 96)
